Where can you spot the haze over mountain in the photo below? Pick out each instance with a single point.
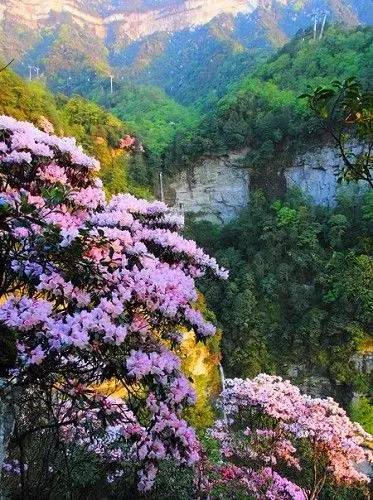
(134, 20)
(188, 48)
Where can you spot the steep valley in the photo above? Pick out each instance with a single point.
(204, 96)
(162, 43)
(186, 249)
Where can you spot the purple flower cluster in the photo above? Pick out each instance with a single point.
(104, 286)
(268, 425)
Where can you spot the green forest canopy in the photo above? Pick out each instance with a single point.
(300, 294)
(95, 129)
(264, 111)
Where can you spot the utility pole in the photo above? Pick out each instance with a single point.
(161, 185)
(68, 84)
(323, 25)
(111, 84)
(30, 70)
(315, 19)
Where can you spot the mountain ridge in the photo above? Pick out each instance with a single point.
(136, 20)
(178, 45)
(135, 23)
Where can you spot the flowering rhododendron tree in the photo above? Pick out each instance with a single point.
(94, 290)
(273, 433)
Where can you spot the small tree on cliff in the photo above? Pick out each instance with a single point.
(93, 290)
(346, 110)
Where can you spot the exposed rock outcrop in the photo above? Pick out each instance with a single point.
(314, 173)
(218, 187)
(135, 21)
(145, 17)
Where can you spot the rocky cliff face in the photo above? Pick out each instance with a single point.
(139, 21)
(314, 175)
(145, 17)
(217, 188)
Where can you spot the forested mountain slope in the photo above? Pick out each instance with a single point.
(264, 111)
(193, 50)
(154, 116)
(299, 299)
(266, 125)
(98, 131)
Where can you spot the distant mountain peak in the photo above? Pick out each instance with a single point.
(140, 18)
(135, 39)
(137, 19)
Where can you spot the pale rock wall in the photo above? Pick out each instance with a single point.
(35, 13)
(363, 362)
(314, 173)
(181, 16)
(135, 23)
(216, 189)
(312, 384)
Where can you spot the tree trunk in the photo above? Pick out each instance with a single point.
(6, 424)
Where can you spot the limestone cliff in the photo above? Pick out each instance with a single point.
(217, 188)
(140, 20)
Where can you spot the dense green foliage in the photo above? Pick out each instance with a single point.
(362, 411)
(346, 110)
(28, 101)
(299, 300)
(153, 115)
(94, 128)
(198, 66)
(264, 111)
(147, 110)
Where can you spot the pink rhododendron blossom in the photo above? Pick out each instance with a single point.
(17, 157)
(127, 142)
(97, 290)
(52, 173)
(286, 428)
(90, 197)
